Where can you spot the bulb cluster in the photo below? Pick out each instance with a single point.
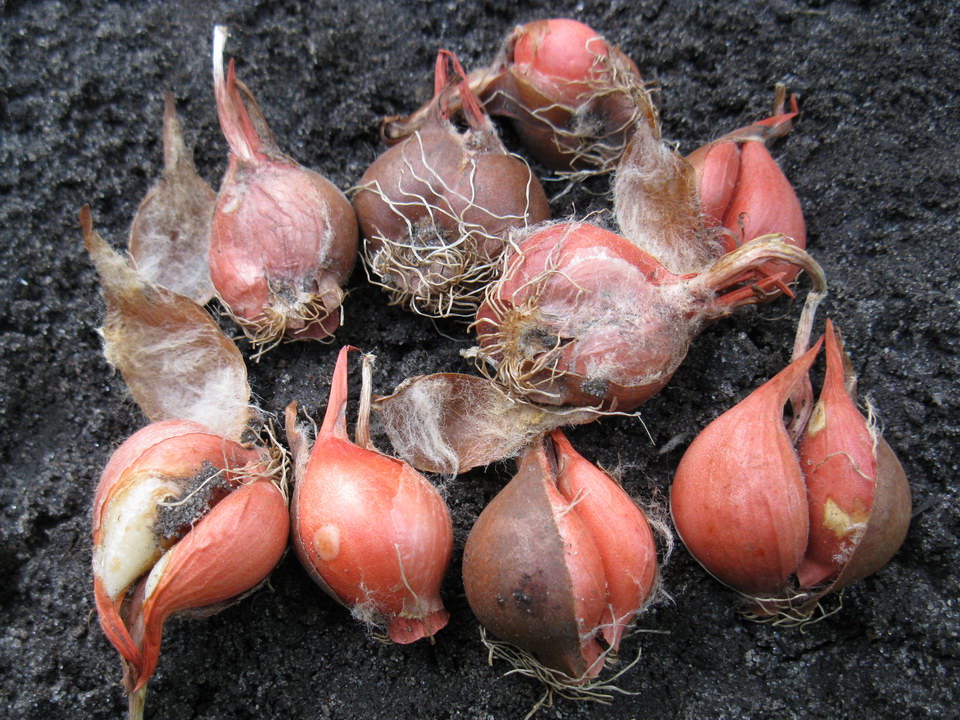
(573, 321)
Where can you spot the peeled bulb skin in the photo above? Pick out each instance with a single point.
(655, 203)
(151, 545)
(170, 234)
(174, 358)
(283, 239)
(854, 482)
(372, 531)
(738, 497)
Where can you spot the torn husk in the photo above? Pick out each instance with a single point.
(449, 422)
(174, 358)
(170, 234)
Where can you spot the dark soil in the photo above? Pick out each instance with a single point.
(874, 161)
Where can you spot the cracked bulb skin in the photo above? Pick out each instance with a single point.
(858, 493)
(621, 531)
(559, 560)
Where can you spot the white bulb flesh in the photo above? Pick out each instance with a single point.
(129, 546)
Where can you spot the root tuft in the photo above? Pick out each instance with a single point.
(800, 609)
(442, 264)
(556, 682)
(287, 315)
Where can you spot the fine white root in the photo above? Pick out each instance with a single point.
(279, 465)
(524, 364)
(442, 263)
(799, 609)
(556, 683)
(284, 311)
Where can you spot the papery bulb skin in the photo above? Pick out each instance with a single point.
(582, 317)
(533, 574)
(284, 238)
(170, 234)
(450, 423)
(843, 459)
(176, 361)
(621, 532)
(738, 497)
(656, 206)
(436, 208)
(372, 532)
(160, 533)
(744, 193)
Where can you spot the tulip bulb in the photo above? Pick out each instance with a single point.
(573, 98)
(738, 497)
(284, 239)
(435, 210)
(582, 317)
(184, 519)
(786, 525)
(744, 193)
(370, 530)
(558, 564)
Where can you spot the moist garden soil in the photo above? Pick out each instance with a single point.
(874, 161)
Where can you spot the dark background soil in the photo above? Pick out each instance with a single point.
(874, 162)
